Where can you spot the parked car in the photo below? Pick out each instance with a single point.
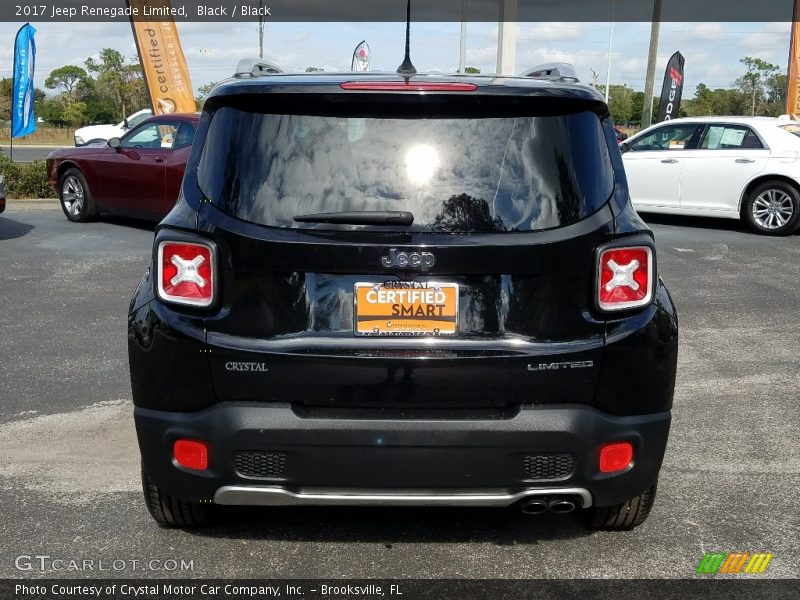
(138, 175)
(389, 290)
(100, 134)
(2, 194)
(620, 134)
(731, 167)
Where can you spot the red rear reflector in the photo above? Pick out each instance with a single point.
(191, 454)
(615, 457)
(186, 273)
(408, 86)
(625, 278)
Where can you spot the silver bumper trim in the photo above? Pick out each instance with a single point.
(262, 495)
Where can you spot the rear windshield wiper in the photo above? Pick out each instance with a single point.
(360, 217)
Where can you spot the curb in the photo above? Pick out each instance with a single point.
(12, 201)
(23, 204)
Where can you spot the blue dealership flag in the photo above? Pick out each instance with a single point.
(23, 121)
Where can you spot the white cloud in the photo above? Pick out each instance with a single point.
(630, 66)
(549, 32)
(481, 56)
(543, 32)
(767, 41)
(708, 32)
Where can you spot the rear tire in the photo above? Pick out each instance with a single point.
(169, 511)
(76, 199)
(772, 208)
(622, 517)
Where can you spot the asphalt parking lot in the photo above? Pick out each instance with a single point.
(69, 484)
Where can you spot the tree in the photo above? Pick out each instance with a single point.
(68, 77)
(702, 103)
(754, 81)
(120, 81)
(202, 93)
(67, 108)
(776, 86)
(74, 113)
(314, 70)
(716, 102)
(637, 107)
(51, 109)
(99, 110)
(620, 103)
(463, 212)
(6, 91)
(205, 90)
(595, 78)
(472, 70)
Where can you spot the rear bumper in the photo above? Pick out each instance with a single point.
(374, 458)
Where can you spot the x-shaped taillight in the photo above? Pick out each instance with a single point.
(625, 278)
(186, 273)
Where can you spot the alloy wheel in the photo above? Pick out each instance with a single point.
(73, 195)
(773, 208)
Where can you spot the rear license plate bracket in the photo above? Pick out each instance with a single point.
(401, 308)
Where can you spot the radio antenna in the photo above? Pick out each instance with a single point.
(407, 68)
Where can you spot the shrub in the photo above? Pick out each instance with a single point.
(25, 180)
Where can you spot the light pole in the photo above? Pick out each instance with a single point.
(462, 50)
(507, 38)
(610, 45)
(260, 29)
(652, 55)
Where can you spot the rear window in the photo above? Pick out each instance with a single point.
(454, 174)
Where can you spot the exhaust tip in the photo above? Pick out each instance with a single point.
(534, 507)
(561, 506)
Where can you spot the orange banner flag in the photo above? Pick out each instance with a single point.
(793, 78)
(163, 61)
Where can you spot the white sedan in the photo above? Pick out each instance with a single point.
(731, 167)
(96, 134)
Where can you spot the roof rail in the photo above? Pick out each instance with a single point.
(556, 71)
(254, 67)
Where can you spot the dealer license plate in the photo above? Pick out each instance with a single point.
(401, 308)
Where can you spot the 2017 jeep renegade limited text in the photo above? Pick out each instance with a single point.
(387, 290)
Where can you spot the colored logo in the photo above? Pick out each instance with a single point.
(719, 563)
(676, 75)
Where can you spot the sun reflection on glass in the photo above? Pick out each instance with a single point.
(422, 161)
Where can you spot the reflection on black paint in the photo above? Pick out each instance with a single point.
(466, 213)
(484, 306)
(568, 192)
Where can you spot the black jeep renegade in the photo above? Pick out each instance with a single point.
(403, 290)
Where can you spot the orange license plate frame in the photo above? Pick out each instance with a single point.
(400, 308)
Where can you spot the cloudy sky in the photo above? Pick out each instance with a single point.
(712, 50)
